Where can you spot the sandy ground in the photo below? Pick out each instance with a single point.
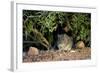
(56, 55)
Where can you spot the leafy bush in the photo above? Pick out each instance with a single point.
(47, 22)
(81, 27)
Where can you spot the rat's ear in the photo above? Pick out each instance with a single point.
(67, 26)
(66, 29)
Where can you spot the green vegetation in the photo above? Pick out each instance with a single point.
(81, 27)
(38, 26)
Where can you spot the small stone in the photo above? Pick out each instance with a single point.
(72, 51)
(80, 45)
(33, 51)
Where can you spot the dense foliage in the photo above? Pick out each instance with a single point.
(81, 27)
(39, 26)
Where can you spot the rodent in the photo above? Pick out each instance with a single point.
(64, 42)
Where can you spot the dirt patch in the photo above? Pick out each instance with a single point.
(56, 55)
